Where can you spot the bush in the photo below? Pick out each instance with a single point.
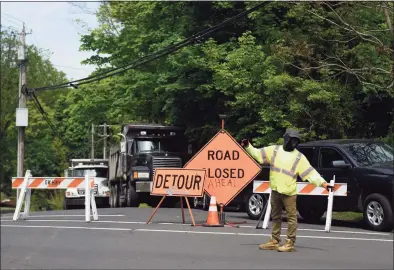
(42, 200)
(56, 201)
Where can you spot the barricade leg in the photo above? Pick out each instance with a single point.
(329, 206)
(94, 208)
(26, 211)
(21, 197)
(267, 213)
(87, 196)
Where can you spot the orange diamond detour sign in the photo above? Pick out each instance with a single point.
(228, 167)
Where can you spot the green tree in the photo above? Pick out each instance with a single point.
(44, 154)
(321, 67)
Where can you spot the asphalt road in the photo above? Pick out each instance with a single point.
(121, 239)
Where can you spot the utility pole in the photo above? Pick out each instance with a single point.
(22, 115)
(92, 157)
(105, 141)
(105, 135)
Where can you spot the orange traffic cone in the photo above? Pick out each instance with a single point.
(213, 216)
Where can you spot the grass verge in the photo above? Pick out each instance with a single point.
(347, 216)
(144, 205)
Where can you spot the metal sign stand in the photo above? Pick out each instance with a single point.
(182, 209)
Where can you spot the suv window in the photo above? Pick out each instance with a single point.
(327, 156)
(308, 152)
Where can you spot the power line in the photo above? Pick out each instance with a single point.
(12, 22)
(151, 57)
(45, 117)
(71, 67)
(13, 17)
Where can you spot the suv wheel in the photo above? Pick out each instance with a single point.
(254, 205)
(205, 202)
(377, 212)
(310, 208)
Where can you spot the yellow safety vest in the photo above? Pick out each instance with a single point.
(285, 167)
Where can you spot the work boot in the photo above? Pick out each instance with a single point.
(272, 244)
(287, 247)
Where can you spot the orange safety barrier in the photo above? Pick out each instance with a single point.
(26, 184)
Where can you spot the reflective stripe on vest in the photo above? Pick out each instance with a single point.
(296, 162)
(264, 156)
(306, 172)
(284, 171)
(274, 156)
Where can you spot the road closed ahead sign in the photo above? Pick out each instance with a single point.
(228, 167)
(178, 182)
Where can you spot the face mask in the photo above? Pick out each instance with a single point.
(290, 143)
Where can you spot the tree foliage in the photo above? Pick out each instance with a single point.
(325, 68)
(44, 154)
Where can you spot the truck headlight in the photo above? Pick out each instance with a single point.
(71, 193)
(141, 175)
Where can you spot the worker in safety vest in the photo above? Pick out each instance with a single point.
(286, 162)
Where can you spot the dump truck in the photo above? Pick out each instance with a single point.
(76, 197)
(132, 162)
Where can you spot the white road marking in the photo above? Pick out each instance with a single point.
(30, 216)
(75, 216)
(67, 227)
(71, 220)
(194, 232)
(263, 234)
(333, 231)
(181, 224)
(352, 232)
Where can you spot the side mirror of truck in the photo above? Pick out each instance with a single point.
(340, 164)
(123, 147)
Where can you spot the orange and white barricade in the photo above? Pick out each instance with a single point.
(26, 184)
(304, 188)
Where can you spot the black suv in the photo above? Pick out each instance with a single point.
(367, 168)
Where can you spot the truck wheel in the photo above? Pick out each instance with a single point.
(65, 204)
(311, 211)
(254, 205)
(112, 197)
(378, 213)
(132, 196)
(117, 195)
(122, 193)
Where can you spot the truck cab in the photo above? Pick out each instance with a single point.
(76, 197)
(144, 148)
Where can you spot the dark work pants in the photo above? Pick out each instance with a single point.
(290, 203)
